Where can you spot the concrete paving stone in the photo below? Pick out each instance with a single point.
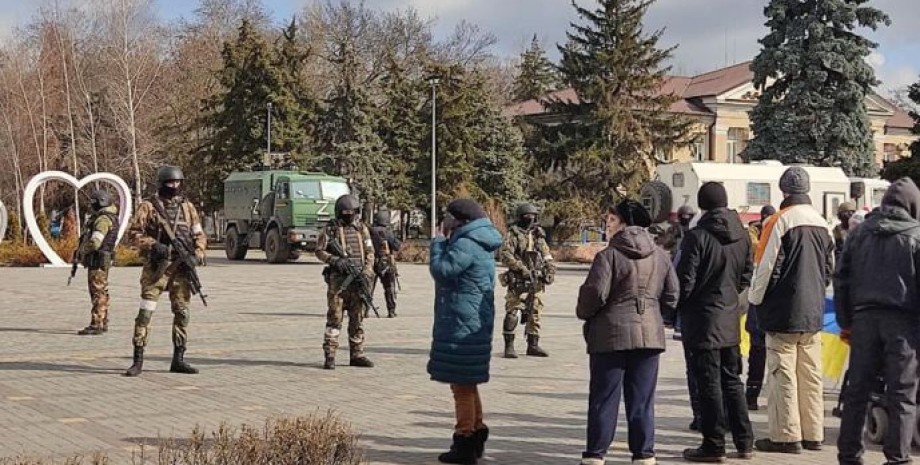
(258, 345)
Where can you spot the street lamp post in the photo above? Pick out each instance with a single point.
(434, 80)
(268, 141)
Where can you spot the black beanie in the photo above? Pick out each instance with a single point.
(633, 214)
(711, 196)
(466, 210)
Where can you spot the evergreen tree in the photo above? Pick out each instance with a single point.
(536, 74)
(294, 109)
(621, 117)
(814, 80)
(909, 166)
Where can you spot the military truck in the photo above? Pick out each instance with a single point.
(280, 212)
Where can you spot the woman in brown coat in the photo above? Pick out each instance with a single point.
(630, 284)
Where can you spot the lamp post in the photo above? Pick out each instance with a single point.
(434, 80)
(268, 141)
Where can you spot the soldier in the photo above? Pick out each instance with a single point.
(162, 271)
(845, 211)
(100, 233)
(670, 240)
(386, 245)
(355, 241)
(524, 251)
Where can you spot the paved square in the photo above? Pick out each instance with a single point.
(259, 348)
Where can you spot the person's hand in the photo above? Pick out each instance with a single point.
(845, 335)
(340, 265)
(159, 252)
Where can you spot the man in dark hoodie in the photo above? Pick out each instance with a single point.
(715, 267)
(877, 299)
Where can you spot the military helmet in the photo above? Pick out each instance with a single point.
(846, 207)
(169, 173)
(100, 198)
(526, 209)
(686, 210)
(346, 202)
(382, 218)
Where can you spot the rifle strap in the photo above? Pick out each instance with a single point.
(160, 210)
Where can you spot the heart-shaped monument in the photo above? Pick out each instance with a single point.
(4, 220)
(124, 207)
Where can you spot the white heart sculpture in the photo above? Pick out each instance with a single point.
(124, 208)
(4, 220)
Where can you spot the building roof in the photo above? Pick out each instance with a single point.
(691, 91)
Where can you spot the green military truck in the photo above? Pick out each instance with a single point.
(280, 212)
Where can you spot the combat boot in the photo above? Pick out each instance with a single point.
(178, 362)
(361, 361)
(91, 331)
(509, 346)
(462, 451)
(533, 346)
(138, 365)
(329, 364)
(391, 312)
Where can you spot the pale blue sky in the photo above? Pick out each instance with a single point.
(711, 33)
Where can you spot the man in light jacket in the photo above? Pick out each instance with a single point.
(793, 267)
(877, 299)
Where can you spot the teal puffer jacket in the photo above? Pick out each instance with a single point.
(463, 269)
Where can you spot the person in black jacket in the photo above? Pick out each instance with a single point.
(386, 246)
(877, 300)
(715, 267)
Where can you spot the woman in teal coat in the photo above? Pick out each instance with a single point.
(463, 268)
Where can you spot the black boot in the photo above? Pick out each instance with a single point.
(91, 331)
(509, 346)
(533, 346)
(481, 435)
(391, 312)
(178, 362)
(329, 364)
(138, 365)
(361, 361)
(462, 451)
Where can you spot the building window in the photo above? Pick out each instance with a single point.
(677, 180)
(890, 152)
(736, 143)
(698, 148)
(758, 193)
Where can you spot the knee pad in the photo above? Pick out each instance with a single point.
(510, 323)
(332, 332)
(181, 317)
(143, 317)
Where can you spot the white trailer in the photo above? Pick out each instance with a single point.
(750, 186)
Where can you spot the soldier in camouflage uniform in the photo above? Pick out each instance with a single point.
(845, 211)
(386, 245)
(355, 240)
(97, 244)
(670, 240)
(162, 271)
(523, 245)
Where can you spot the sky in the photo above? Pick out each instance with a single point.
(709, 33)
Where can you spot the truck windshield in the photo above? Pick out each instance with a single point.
(332, 190)
(305, 190)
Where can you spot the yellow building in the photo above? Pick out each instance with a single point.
(719, 101)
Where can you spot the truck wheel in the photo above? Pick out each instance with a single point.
(235, 250)
(276, 248)
(655, 196)
(877, 424)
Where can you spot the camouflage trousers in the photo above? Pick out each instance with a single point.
(388, 280)
(98, 283)
(515, 303)
(153, 283)
(340, 303)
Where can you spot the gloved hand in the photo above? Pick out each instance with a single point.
(159, 252)
(340, 265)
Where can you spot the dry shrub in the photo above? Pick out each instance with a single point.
(412, 253)
(69, 225)
(97, 459)
(21, 254)
(306, 440)
(578, 253)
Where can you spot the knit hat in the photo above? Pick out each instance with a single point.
(712, 195)
(633, 214)
(903, 193)
(795, 180)
(466, 210)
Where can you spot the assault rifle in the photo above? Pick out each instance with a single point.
(532, 281)
(75, 258)
(354, 275)
(187, 256)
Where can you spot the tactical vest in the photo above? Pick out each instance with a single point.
(351, 240)
(100, 258)
(177, 218)
(381, 245)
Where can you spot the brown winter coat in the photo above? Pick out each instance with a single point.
(631, 283)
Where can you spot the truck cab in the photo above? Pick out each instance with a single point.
(280, 212)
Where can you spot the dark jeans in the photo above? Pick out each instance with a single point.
(692, 386)
(718, 373)
(757, 356)
(883, 343)
(633, 373)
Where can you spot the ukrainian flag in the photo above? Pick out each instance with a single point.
(834, 352)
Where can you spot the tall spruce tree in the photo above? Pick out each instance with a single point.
(536, 74)
(814, 78)
(909, 166)
(620, 117)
